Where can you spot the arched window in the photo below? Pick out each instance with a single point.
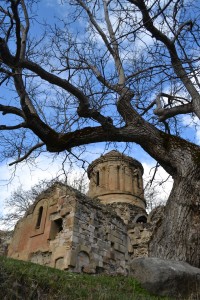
(138, 180)
(56, 227)
(83, 261)
(97, 178)
(118, 178)
(141, 219)
(39, 218)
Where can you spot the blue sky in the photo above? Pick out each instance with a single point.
(29, 174)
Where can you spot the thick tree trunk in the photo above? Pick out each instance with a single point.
(178, 235)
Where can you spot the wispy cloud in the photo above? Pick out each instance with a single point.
(162, 183)
(46, 169)
(27, 176)
(194, 124)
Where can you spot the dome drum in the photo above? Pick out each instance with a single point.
(115, 177)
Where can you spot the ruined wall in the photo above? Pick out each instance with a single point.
(129, 213)
(140, 233)
(139, 236)
(74, 233)
(67, 230)
(33, 233)
(99, 236)
(92, 239)
(60, 233)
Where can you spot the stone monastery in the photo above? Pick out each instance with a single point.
(100, 232)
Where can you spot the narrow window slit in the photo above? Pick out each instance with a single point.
(39, 218)
(97, 178)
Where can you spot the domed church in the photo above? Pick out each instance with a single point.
(94, 233)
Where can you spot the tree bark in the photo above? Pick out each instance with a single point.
(177, 236)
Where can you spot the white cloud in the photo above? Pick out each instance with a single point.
(27, 176)
(162, 183)
(46, 169)
(194, 124)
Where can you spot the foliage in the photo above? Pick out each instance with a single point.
(28, 281)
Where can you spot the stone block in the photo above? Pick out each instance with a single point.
(122, 249)
(69, 221)
(85, 248)
(64, 211)
(96, 256)
(75, 239)
(91, 228)
(100, 263)
(73, 258)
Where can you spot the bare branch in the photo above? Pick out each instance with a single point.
(14, 7)
(39, 145)
(102, 79)
(11, 110)
(173, 111)
(114, 43)
(148, 23)
(148, 108)
(83, 109)
(4, 79)
(21, 125)
(187, 24)
(96, 26)
(24, 31)
(176, 62)
(166, 113)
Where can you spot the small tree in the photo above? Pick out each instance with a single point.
(20, 200)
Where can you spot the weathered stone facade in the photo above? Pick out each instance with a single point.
(68, 230)
(117, 178)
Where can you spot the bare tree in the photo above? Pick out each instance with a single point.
(111, 71)
(21, 200)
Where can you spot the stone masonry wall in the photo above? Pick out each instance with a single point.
(93, 239)
(75, 233)
(99, 236)
(60, 234)
(81, 234)
(129, 213)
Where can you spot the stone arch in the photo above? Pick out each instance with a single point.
(59, 263)
(83, 261)
(97, 178)
(138, 178)
(39, 217)
(140, 219)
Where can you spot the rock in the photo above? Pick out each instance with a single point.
(167, 277)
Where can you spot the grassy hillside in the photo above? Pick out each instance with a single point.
(24, 280)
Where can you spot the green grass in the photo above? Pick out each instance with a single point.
(25, 280)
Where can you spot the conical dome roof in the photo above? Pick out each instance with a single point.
(116, 178)
(114, 155)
